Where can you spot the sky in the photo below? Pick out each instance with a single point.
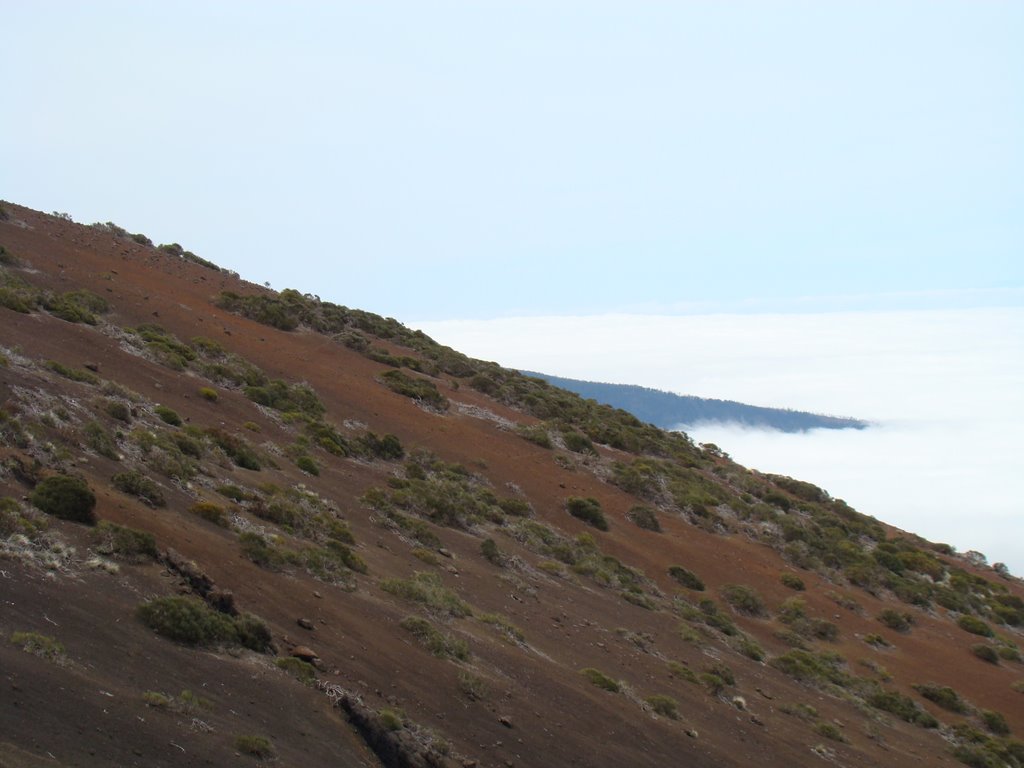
(764, 169)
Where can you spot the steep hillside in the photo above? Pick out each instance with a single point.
(239, 525)
(670, 411)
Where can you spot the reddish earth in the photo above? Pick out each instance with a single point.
(89, 709)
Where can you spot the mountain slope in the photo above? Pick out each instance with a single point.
(671, 411)
(489, 570)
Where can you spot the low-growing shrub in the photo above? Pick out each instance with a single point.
(97, 438)
(74, 374)
(414, 387)
(66, 497)
(644, 517)
(895, 620)
(792, 581)
(119, 410)
(665, 706)
(427, 589)
(38, 645)
(307, 465)
(210, 512)
(942, 695)
(257, 746)
(135, 483)
(209, 394)
(301, 670)
(489, 549)
(588, 510)
(472, 686)
(829, 731)
(995, 722)
(975, 626)
(167, 415)
(189, 621)
(123, 542)
(686, 578)
(439, 644)
(985, 653)
(601, 680)
(743, 599)
(902, 706)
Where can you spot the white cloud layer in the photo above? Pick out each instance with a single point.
(944, 389)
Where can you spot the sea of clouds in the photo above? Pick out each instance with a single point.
(943, 389)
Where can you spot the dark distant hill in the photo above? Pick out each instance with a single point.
(669, 411)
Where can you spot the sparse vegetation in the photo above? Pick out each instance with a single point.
(124, 543)
(301, 670)
(644, 517)
(135, 483)
(665, 706)
(588, 510)
(190, 621)
(743, 599)
(209, 511)
(428, 590)
(601, 680)
(442, 645)
(256, 746)
(896, 620)
(792, 581)
(686, 578)
(38, 644)
(66, 497)
(985, 653)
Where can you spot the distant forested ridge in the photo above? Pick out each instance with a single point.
(671, 411)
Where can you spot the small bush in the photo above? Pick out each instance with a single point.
(903, 707)
(985, 653)
(995, 722)
(38, 645)
(124, 542)
(876, 640)
(257, 746)
(209, 393)
(588, 510)
(187, 620)
(66, 497)
(975, 626)
(942, 695)
(390, 719)
(472, 686)
(73, 374)
(829, 731)
(168, 415)
(119, 410)
(900, 622)
(253, 633)
(414, 387)
(301, 670)
(743, 599)
(601, 680)
(427, 589)
(210, 512)
(439, 644)
(644, 517)
(665, 706)
(307, 465)
(135, 483)
(686, 578)
(792, 581)
(489, 549)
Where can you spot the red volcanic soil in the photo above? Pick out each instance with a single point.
(509, 702)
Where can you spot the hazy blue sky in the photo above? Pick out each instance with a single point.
(830, 193)
(431, 160)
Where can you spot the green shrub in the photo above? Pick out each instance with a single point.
(83, 377)
(942, 695)
(97, 438)
(975, 626)
(665, 706)
(237, 449)
(743, 599)
(644, 517)
(390, 719)
(900, 622)
(124, 542)
(301, 670)
(209, 511)
(577, 443)
(985, 653)
(472, 686)
(66, 497)
(439, 644)
(995, 722)
(38, 645)
(876, 640)
(135, 483)
(792, 581)
(686, 578)
(168, 415)
(209, 393)
(829, 731)
(189, 621)
(257, 746)
(119, 410)
(307, 465)
(903, 707)
(489, 549)
(588, 510)
(427, 589)
(416, 388)
(601, 680)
